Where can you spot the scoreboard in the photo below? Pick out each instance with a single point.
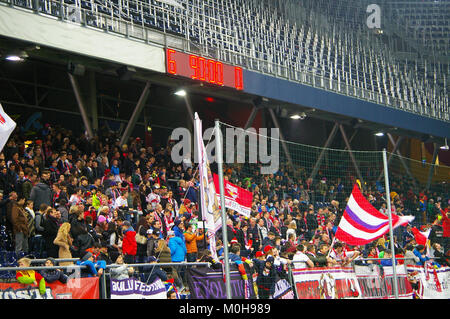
(204, 69)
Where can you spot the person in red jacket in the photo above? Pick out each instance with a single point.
(129, 245)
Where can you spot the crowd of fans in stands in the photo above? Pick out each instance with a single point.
(67, 197)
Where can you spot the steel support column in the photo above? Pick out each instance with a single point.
(283, 142)
(136, 113)
(93, 100)
(84, 116)
(251, 118)
(352, 157)
(433, 161)
(322, 153)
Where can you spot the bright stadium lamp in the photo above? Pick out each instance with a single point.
(379, 134)
(445, 147)
(300, 116)
(180, 93)
(17, 56)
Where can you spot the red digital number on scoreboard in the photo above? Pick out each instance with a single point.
(205, 70)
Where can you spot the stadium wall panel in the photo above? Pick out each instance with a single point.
(296, 93)
(71, 37)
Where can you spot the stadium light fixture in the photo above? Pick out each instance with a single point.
(181, 93)
(17, 56)
(445, 147)
(379, 134)
(300, 116)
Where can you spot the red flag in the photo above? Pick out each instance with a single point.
(421, 237)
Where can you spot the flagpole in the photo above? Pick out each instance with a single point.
(219, 159)
(391, 233)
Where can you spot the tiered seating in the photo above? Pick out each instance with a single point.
(319, 42)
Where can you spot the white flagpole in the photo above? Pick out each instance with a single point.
(219, 159)
(391, 233)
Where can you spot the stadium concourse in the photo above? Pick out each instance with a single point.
(65, 196)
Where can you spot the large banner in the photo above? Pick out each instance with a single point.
(207, 283)
(236, 198)
(81, 288)
(377, 282)
(432, 283)
(134, 289)
(209, 203)
(326, 283)
(283, 290)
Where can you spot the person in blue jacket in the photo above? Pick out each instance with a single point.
(177, 247)
(419, 251)
(91, 271)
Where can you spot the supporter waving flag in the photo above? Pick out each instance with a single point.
(7, 125)
(362, 223)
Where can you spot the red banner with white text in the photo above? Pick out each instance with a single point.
(236, 198)
(80, 288)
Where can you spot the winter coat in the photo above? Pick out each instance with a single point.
(41, 194)
(191, 242)
(64, 252)
(52, 275)
(177, 249)
(19, 220)
(129, 245)
(51, 226)
(81, 243)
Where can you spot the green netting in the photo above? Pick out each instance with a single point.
(317, 176)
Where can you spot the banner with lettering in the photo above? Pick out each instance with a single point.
(207, 283)
(81, 288)
(283, 290)
(377, 282)
(134, 289)
(236, 198)
(431, 283)
(326, 283)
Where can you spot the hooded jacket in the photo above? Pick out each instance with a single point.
(177, 249)
(41, 194)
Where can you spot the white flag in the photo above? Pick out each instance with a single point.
(7, 125)
(209, 204)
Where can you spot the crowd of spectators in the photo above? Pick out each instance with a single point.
(65, 196)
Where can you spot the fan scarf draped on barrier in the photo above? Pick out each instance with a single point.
(362, 223)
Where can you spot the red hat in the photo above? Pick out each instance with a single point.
(259, 254)
(234, 241)
(267, 248)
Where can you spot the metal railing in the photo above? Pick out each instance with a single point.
(122, 23)
(103, 278)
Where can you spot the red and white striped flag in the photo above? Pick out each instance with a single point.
(362, 223)
(7, 125)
